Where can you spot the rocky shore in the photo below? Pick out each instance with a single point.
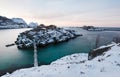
(44, 35)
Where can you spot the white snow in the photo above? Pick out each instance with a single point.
(18, 20)
(33, 25)
(77, 65)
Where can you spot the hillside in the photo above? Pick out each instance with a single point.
(14, 23)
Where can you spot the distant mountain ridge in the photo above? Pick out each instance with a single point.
(14, 23)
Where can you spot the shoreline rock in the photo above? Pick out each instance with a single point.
(99, 51)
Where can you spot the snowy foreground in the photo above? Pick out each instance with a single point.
(77, 65)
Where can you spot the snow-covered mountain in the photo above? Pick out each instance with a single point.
(33, 25)
(77, 65)
(14, 23)
(44, 35)
(18, 20)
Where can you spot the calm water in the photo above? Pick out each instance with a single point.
(11, 57)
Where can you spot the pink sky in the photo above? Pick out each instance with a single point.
(64, 12)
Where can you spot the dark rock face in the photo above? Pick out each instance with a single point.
(88, 27)
(4, 21)
(97, 52)
(92, 28)
(44, 35)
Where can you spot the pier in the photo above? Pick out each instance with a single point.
(35, 54)
(8, 45)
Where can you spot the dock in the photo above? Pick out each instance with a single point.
(35, 55)
(8, 45)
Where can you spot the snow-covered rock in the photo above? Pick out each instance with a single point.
(44, 35)
(19, 20)
(33, 25)
(99, 51)
(77, 65)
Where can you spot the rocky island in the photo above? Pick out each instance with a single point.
(44, 35)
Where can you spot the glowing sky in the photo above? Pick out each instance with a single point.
(64, 12)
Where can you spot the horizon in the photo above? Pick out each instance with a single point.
(99, 13)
